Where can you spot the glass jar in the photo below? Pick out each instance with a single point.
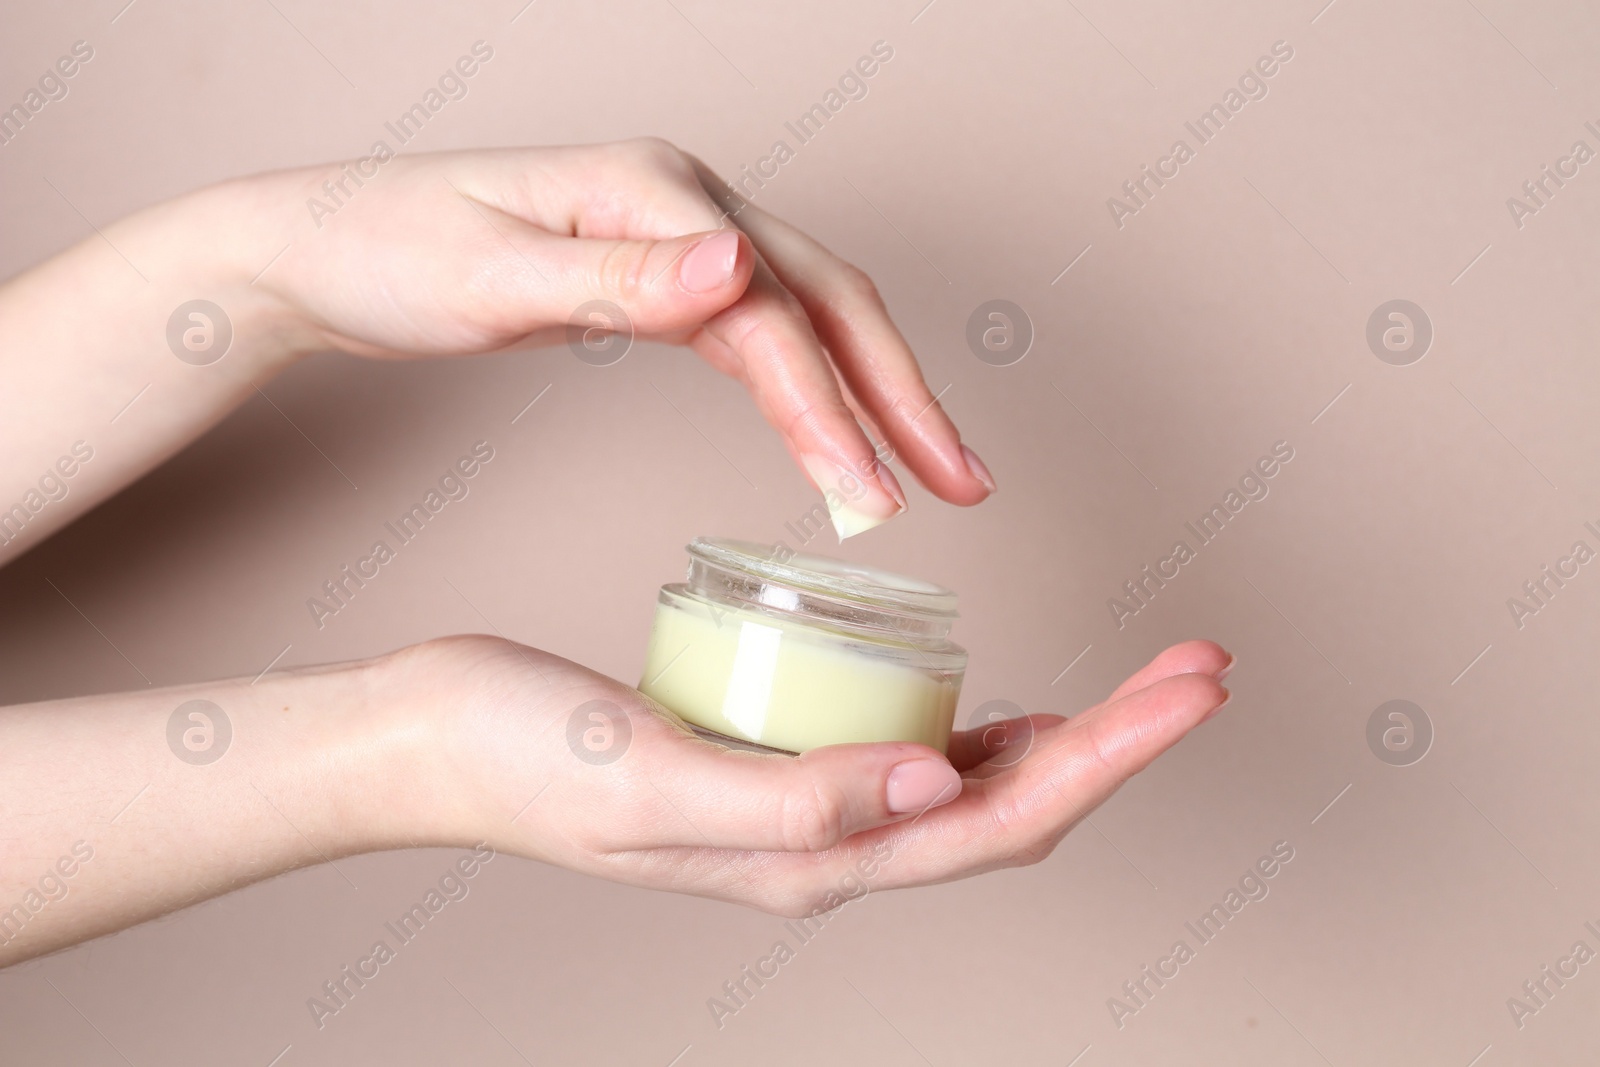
(791, 652)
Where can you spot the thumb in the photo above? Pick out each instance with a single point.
(698, 794)
(661, 286)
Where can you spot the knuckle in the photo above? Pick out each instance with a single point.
(1005, 821)
(1098, 746)
(471, 652)
(1034, 853)
(621, 272)
(1026, 844)
(812, 819)
(658, 152)
(858, 285)
(765, 329)
(1039, 846)
(810, 419)
(904, 413)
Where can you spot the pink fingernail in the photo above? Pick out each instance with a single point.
(1219, 707)
(917, 785)
(709, 264)
(1227, 668)
(891, 484)
(979, 471)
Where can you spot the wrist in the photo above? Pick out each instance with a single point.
(349, 753)
(475, 720)
(222, 243)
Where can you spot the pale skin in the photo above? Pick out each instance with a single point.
(447, 742)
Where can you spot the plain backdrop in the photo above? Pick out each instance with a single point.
(1172, 348)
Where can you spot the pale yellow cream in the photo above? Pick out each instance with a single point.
(754, 677)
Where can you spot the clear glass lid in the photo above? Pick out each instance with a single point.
(849, 596)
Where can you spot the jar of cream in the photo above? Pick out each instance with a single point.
(791, 652)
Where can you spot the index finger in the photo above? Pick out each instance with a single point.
(871, 354)
(1017, 818)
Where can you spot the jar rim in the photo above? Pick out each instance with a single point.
(863, 584)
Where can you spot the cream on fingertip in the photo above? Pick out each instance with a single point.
(855, 503)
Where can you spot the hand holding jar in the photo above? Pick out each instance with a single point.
(643, 799)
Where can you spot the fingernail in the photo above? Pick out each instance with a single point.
(1227, 668)
(1219, 707)
(709, 264)
(891, 484)
(855, 503)
(918, 785)
(979, 471)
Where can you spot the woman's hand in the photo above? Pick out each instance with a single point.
(453, 254)
(653, 805)
(168, 796)
(468, 252)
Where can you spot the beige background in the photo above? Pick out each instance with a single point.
(1222, 318)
